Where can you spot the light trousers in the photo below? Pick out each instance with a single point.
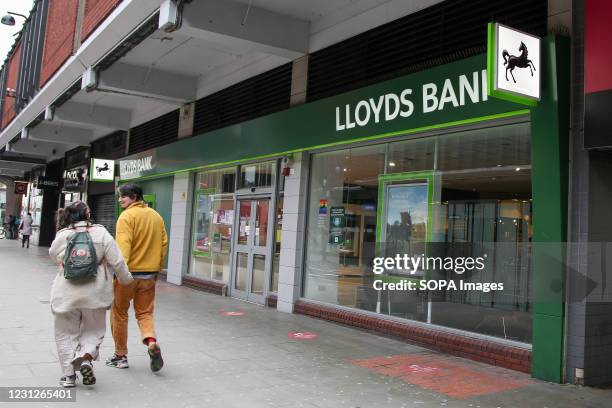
(77, 333)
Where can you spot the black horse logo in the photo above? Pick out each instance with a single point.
(521, 61)
(100, 170)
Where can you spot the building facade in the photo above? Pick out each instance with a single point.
(287, 164)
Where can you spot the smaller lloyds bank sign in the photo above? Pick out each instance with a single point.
(135, 168)
(513, 64)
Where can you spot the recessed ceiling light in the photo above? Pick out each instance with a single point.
(392, 164)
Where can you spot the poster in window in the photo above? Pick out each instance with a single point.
(202, 227)
(337, 222)
(406, 215)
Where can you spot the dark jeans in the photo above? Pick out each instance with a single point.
(24, 239)
(10, 231)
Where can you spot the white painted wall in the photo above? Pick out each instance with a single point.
(180, 221)
(292, 242)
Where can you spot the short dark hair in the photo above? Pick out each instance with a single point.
(73, 213)
(134, 191)
(29, 213)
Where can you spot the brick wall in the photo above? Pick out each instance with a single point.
(203, 285)
(59, 36)
(96, 11)
(484, 351)
(8, 107)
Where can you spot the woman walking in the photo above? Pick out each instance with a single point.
(26, 229)
(82, 291)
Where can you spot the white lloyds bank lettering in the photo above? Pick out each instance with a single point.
(133, 167)
(475, 90)
(394, 106)
(471, 88)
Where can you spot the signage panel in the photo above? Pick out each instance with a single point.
(48, 183)
(102, 170)
(75, 179)
(137, 167)
(21, 187)
(441, 97)
(514, 64)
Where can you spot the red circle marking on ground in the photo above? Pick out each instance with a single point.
(302, 335)
(233, 313)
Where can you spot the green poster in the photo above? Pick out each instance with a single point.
(337, 222)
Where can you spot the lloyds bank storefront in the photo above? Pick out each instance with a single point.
(294, 209)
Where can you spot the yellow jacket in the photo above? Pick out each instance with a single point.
(142, 239)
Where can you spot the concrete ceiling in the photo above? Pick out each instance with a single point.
(224, 42)
(220, 43)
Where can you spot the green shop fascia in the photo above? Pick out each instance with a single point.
(442, 97)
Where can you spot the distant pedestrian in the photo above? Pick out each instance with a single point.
(82, 291)
(6, 224)
(142, 239)
(26, 229)
(9, 222)
(16, 225)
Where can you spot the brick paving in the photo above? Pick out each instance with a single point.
(446, 375)
(247, 359)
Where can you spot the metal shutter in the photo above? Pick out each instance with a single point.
(154, 133)
(111, 146)
(104, 211)
(257, 96)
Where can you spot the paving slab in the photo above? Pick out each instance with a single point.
(215, 359)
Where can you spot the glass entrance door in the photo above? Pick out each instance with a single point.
(252, 250)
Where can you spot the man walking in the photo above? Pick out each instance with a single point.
(142, 239)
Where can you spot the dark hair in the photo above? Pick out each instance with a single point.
(134, 191)
(75, 212)
(59, 219)
(29, 213)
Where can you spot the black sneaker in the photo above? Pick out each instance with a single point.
(68, 381)
(117, 361)
(156, 358)
(87, 372)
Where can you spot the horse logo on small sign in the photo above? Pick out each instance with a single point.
(102, 169)
(511, 61)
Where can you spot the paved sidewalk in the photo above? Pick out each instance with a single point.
(219, 360)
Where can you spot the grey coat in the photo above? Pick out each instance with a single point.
(26, 225)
